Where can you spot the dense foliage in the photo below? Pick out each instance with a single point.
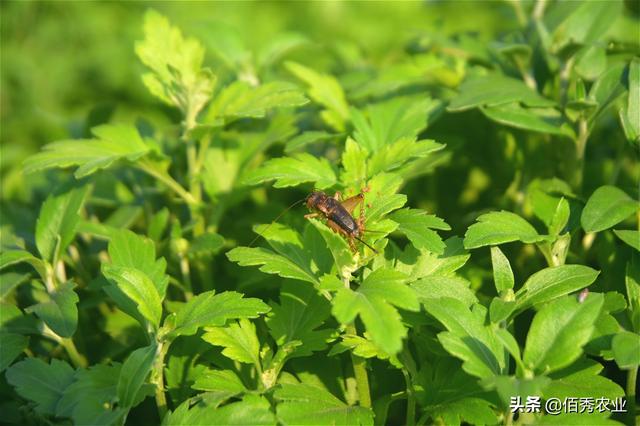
(496, 145)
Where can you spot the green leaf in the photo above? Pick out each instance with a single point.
(325, 90)
(578, 419)
(278, 46)
(89, 399)
(421, 263)
(633, 99)
(307, 138)
(354, 163)
(302, 404)
(626, 349)
(498, 228)
(272, 263)
(219, 381)
(59, 311)
(113, 143)
(607, 207)
(374, 301)
(41, 383)
(337, 244)
(395, 155)
(551, 283)
(587, 23)
(632, 238)
(435, 286)
(130, 250)
(582, 380)
(252, 410)
(177, 76)
(544, 195)
(510, 386)
(239, 99)
(559, 331)
(12, 320)
(495, 89)
(12, 257)
(445, 391)
(417, 225)
(292, 171)
(502, 273)
(542, 120)
(632, 285)
(137, 286)
(205, 245)
(591, 61)
(387, 122)
(134, 373)
(467, 337)
(384, 204)
(364, 348)
(239, 340)
(11, 346)
(56, 226)
(300, 312)
(210, 309)
(10, 281)
(500, 310)
(471, 410)
(608, 87)
(184, 365)
(560, 217)
(157, 224)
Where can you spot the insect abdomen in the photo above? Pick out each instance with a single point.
(345, 221)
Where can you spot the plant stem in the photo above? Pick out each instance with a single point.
(538, 10)
(186, 275)
(158, 379)
(194, 187)
(509, 420)
(202, 153)
(76, 357)
(409, 371)
(632, 377)
(581, 143)
(359, 364)
(411, 400)
(517, 8)
(168, 181)
(360, 373)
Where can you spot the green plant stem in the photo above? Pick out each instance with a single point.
(359, 364)
(186, 275)
(158, 376)
(632, 378)
(76, 357)
(409, 371)
(194, 188)
(360, 373)
(411, 400)
(581, 144)
(169, 182)
(517, 8)
(202, 153)
(538, 10)
(509, 419)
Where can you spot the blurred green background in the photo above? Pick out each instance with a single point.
(63, 59)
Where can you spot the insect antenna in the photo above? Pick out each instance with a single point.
(275, 220)
(366, 244)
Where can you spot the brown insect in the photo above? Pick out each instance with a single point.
(338, 214)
